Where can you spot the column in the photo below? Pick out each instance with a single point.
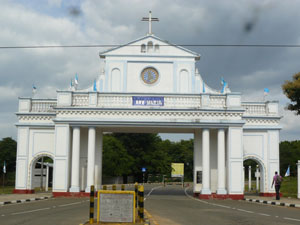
(91, 158)
(243, 179)
(47, 177)
(205, 162)
(221, 162)
(249, 179)
(98, 162)
(257, 178)
(75, 160)
(197, 161)
(298, 175)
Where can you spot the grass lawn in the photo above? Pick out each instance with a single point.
(289, 187)
(6, 190)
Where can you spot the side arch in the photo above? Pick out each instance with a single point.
(263, 172)
(31, 167)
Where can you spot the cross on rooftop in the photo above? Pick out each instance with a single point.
(150, 19)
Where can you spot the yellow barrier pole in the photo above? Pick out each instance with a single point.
(123, 187)
(141, 203)
(92, 198)
(114, 187)
(104, 187)
(136, 193)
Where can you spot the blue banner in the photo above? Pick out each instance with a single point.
(147, 101)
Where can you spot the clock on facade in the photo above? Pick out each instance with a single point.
(149, 75)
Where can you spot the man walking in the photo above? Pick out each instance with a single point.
(277, 179)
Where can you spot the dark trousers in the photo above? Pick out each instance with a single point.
(277, 188)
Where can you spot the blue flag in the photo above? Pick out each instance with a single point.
(203, 88)
(287, 173)
(95, 85)
(76, 79)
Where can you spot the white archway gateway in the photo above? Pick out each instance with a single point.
(226, 129)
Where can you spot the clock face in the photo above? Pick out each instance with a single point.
(149, 75)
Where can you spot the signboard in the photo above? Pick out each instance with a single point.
(199, 177)
(116, 206)
(177, 170)
(147, 101)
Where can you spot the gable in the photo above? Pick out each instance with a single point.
(150, 46)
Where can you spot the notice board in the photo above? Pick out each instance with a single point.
(116, 206)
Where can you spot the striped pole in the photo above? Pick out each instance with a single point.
(136, 193)
(141, 203)
(123, 187)
(92, 196)
(114, 187)
(104, 187)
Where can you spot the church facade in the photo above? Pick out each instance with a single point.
(148, 86)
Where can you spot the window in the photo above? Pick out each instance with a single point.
(156, 49)
(143, 48)
(150, 46)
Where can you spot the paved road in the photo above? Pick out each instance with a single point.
(168, 205)
(172, 205)
(58, 211)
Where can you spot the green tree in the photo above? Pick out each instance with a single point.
(116, 160)
(144, 148)
(292, 90)
(8, 149)
(289, 155)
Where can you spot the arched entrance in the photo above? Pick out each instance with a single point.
(41, 173)
(254, 168)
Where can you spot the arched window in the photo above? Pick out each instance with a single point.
(150, 46)
(116, 81)
(156, 48)
(183, 81)
(143, 48)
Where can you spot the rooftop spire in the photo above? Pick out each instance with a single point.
(150, 19)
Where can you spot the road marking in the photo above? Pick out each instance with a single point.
(36, 210)
(2, 215)
(74, 203)
(246, 211)
(263, 214)
(287, 218)
(152, 189)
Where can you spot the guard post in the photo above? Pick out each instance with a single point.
(92, 198)
(123, 187)
(136, 193)
(104, 187)
(114, 187)
(141, 203)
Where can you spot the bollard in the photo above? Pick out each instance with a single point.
(104, 187)
(136, 193)
(92, 196)
(114, 187)
(123, 187)
(141, 203)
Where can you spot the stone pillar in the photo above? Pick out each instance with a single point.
(91, 158)
(298, 174)
(249, 181)
(98, 162)
(75, 160)
(205, 163)
(221, 162)
(257, 178)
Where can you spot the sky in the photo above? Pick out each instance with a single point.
(77, 22)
